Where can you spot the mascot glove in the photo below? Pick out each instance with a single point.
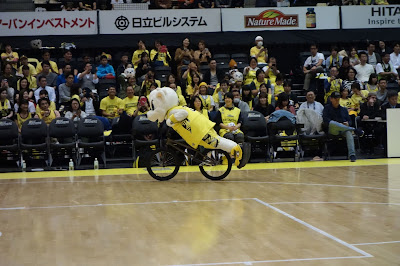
(170, 123)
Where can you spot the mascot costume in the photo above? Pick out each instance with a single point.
(191, 125)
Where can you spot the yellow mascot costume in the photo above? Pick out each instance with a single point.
(192, 126)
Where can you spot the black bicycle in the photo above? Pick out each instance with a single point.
(163, 163)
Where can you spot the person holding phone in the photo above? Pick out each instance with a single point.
(160, 55)
(259, 51)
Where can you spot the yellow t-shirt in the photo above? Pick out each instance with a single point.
(161, 57)
(398, 98)
(15, 55)
(111, 105)
(250, 76)
(130, 104)
(32, 70)
(358, 100)
(347, 103)
(148, 84)
(32, 83)
(46, 119)
(136, 56)
(255, 50)
(52, 64)
(371, 89)
(182, 101)
(278, 89)
(21, 120)
(52, 107)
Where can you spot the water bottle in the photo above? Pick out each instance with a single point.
(96, 164)
(23, 166)
(71, 165)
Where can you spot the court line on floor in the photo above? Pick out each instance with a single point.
(334, 202)
(366, 254)
(199, 181)
(376, 243)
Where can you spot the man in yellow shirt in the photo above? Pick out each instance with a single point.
(130, 102)
(259, 51)
(110, 106)
(10, 57)
(24, 62)
(46, 57)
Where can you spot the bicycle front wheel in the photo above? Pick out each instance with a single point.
(162, 164)
(217, 164)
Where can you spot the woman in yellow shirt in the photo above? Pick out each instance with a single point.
(194, 86)
(23, 113)
(137, 55)
(372, 85)
(5, 105)
(249, 72)
(45, 113)
(197, 104)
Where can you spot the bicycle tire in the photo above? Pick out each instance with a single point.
(220, 171)
(165, 159)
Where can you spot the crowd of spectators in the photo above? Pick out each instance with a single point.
(354, 87)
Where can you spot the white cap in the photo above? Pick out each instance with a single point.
(259, 38)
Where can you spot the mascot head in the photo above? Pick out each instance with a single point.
(129, 73)
(161, 100)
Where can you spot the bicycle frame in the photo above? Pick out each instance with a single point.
(180, 147)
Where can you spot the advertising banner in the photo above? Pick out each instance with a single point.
(287, 18)
(48, 23)
(160, 21)
(370, 17)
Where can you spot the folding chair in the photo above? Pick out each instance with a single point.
(63, 130)
(9, 145)
(34, 140)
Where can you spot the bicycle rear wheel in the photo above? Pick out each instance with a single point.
(162, 164)
(216, 165)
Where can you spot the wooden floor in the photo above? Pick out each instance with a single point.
(325, 213)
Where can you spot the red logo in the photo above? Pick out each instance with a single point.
(271, 18)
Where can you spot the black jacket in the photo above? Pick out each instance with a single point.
(370, 111)
(207, 76)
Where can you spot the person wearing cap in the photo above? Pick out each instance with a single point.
(24, 62)
(336, 118)
(312, 104)
(9, 56)
(259, 51)
(76, 113)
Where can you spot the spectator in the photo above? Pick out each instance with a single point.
(278, 88)
(354, 59)
(364, 69)
(149, 80)
(373, 58)
(372, 85)
(26, 75)
(143, 106)
(208, 101)
(43, 86)
(344, 68)
(337, 119)
(9, 56)
(205, 3)
(44, 94)
(183, 55)
(24, 86)
(263, 106)
(386, 70)
(76, 113)
(85, 59)
(259, 51)
(382, 49)
(172, 79)
(51, 77)
(392, 98)
(220, 93)
(287, 88)
(138, 54)
(197, 104)
(105, 70)
(88, 5)
(244, 107)
(345, 101)
(247, 97)
(24, 96)
(68, 61)
(69, 5)
(62, 77)
(91, 103)
(359, 96)
(371, 108)
(333, 83)
(24, 62)
(87, 79)
(271, 71)
(395, 57)
(213, 75)
(351, 78)
(10, 91)
(124, 64)
(229, 120)
(312, 65)
(143, 67)
(256, 83)
(381, 95)
(185, 4)
(46, 58)
(7, 74)
(111, 105)
(5, 105)
(334, 59)
(312, 104)
(264, 89)
(182, 101)
(188, 74)
(160, 56)
(163, 4)
(44, 113)
(283, 104)
(194, 86)
(125, 83)
(65, 90)
(129, 105)
(23, 113)
(203, 55)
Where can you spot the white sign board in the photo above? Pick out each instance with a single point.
(369, 17)
(160, 21)
(393, 129)
(287, 18)
(48, 23)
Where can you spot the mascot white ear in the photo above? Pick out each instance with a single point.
(161, 100)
